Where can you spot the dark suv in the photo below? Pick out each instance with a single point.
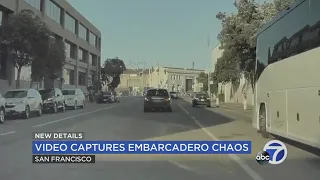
(53, 100)
(157, 99)
(201, 99)
(106, 97)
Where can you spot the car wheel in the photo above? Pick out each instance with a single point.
(2, 115)
(55, 108)
(209, 106)
(63, 107)
(82, 105)
(27, 112)
(40, 110)
(75, 105)
(193, 105)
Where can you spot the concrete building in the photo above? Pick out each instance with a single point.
(176, 79)
(82, 39)
(134, 79)
(233, 93)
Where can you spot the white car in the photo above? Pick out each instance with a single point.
(2, 109)
(74, 98)
(23, 102)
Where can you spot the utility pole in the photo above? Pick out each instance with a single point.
(158, 74)
(209, 67)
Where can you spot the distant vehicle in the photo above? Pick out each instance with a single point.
(201, 99)
(157, 99)
(23, 102)
(74, 98)
(106, 97)
(53, 100)
(2, 109)
(174, 95)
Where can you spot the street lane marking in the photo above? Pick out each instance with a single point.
(184, 167)
(7, 133)
(254, 175)
(70, 117)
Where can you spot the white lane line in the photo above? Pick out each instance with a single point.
(184, 167)
(7, 133)
(254, 175)
(70, 117)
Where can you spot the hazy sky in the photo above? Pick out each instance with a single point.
(172, 32)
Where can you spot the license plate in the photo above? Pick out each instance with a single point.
(202, 99)
(104, 100)
(157, 100)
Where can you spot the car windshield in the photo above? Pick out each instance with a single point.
(15, 94)
(68, 92)
(202, 95)
(173, 93)
(159, 92)
(46, 93)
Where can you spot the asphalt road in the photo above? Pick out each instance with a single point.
(126, 121)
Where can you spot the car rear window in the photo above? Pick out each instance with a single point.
(202, 95)
(158, 92)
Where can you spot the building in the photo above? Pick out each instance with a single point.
(134, 80)
(232, 93)
(82, 39)
(176, 79)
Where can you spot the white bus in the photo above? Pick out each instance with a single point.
(287, 93)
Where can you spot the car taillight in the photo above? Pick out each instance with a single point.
(168, 99)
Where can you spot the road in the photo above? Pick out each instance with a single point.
(126, 121)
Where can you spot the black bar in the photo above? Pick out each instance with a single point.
(82, 159)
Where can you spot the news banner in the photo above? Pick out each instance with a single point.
(70, 147)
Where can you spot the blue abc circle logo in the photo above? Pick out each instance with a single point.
(277, 151)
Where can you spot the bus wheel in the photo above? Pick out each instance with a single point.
(263, 122)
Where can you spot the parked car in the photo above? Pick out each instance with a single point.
(201, 99)
(174, 95)
(157, 99)
(23, 102)
(74, 98)
(2, 108)
(106, 97)
(53, 100)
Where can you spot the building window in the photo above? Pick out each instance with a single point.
(68, 49)
(82, 79)
(83, 32)
(70, 23)
(1, 17)
(80, 54)
(35, 3)
(53, 11)
(71, 77)
(93, 39)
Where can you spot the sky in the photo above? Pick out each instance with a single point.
(144, 33)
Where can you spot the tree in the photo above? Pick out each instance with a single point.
(22, 35)
(203, 78)
(238, 36)
(111, 71)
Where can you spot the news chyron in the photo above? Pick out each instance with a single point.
(274, 152)
(63, 158)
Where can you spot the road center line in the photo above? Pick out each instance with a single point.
(70, 117)
(7, 133)
(254, 175)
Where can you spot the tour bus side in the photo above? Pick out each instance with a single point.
(287, 89)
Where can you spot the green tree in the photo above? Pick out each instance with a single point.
(203, 78)
(22, 35)
(238, 36)
(111, 71)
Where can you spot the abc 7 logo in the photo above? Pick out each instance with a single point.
(274, 152)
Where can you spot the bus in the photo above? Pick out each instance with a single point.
(287, 73)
